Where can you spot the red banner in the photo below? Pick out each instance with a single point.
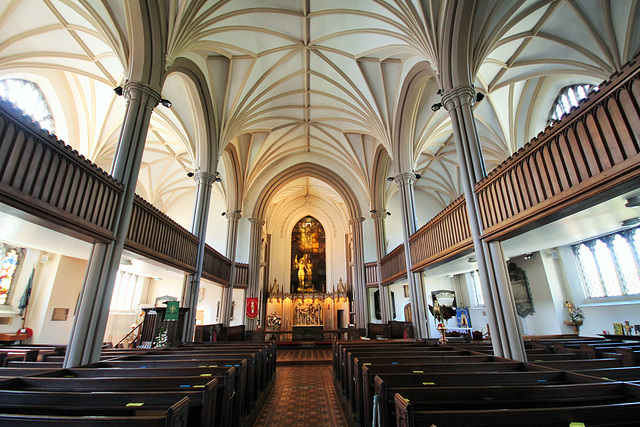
(252, 308)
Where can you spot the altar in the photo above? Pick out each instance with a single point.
(308, 333)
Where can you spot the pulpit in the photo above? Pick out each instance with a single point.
(155, 322)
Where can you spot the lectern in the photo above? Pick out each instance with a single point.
(154, 323)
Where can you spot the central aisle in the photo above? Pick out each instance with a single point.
(303, 394)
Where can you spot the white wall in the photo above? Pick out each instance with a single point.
(238, 311)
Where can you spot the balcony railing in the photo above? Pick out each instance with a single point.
(216, 267)
(44, 177)
(394, 265)
(571, 165)
(371, 273)
(155, 235)
(445, 235)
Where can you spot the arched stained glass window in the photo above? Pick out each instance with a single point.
(568, 98)
(28, 97)
(10, 258)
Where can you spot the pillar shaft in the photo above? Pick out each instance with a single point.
(233, 219)
(505, 334)
(359, 291)
(255, 246)
(90, 322)
(191, 287)
(405, 183)
(381, 245)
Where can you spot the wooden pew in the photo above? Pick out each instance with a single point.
(231, 408)
(365, 393)
(387, 385)
(629, 356)
(595, 351)
(176, 415)
(618, 414)
(29, 408)
(617, 374)
(206, 390)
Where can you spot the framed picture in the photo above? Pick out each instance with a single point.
(463, 317)
(60, 314)
(617, 329)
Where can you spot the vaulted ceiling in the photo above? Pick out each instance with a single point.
(320, 81)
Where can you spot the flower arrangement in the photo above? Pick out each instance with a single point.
(274, 320)
(576, 314)
(163, 339)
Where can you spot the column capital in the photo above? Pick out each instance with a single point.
(142, 93)
(233, 216)
(459, 96)
(405, 178)
(256, 222)
(356, 221)
(379, 215)
(204, 178)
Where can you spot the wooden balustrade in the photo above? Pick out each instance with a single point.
(216, 267)
(46, 178)
(155, 235)
(394, 265)
(446, 235)
(242, 276)
(589, 156)
(371, 273)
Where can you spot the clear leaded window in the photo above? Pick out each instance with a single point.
(126, 291)
(10, 258)
(28, 97)
(610, 265)
(477, 288)
(569, 98)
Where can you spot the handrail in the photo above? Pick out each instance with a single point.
(132, 331)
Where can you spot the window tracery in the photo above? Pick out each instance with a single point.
(28, 97)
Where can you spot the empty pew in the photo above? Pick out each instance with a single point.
(198, 389)
(618, 414)
(176, 415)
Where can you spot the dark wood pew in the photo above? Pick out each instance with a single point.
(595, 351)
(36, 365)
(43, 350)
(617, 374)
(17, 354)
(618, 414)
(364, 396)
(101, 408)
(210, 390)
(249, 385)
(231, 407)
(573, 365)
(387, 385)
(629, 356)
(22, 372)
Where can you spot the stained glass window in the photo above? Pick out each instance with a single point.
(28, 97)
(10, 260)
(568, 98)
(477, 288)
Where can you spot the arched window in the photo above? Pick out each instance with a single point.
(28, 97)
(569, 98)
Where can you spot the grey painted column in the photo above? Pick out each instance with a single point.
(233, 218)
(506, 336)
(90, 322)
(381, 252)
(191, 287)
(255, 246)
(359, 291)
(416, 291)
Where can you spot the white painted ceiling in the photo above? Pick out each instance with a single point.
(306, 80)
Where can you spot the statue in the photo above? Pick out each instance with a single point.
(301, 272)
(309, 271)
(273, 290)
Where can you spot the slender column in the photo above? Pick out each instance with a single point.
(359, 294)
(255, 246)
(233, 218)
(506, 336)
(191, 287)
(89, 325)
(381, 245)
(405, 183)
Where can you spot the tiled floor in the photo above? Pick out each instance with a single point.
(303, 394)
